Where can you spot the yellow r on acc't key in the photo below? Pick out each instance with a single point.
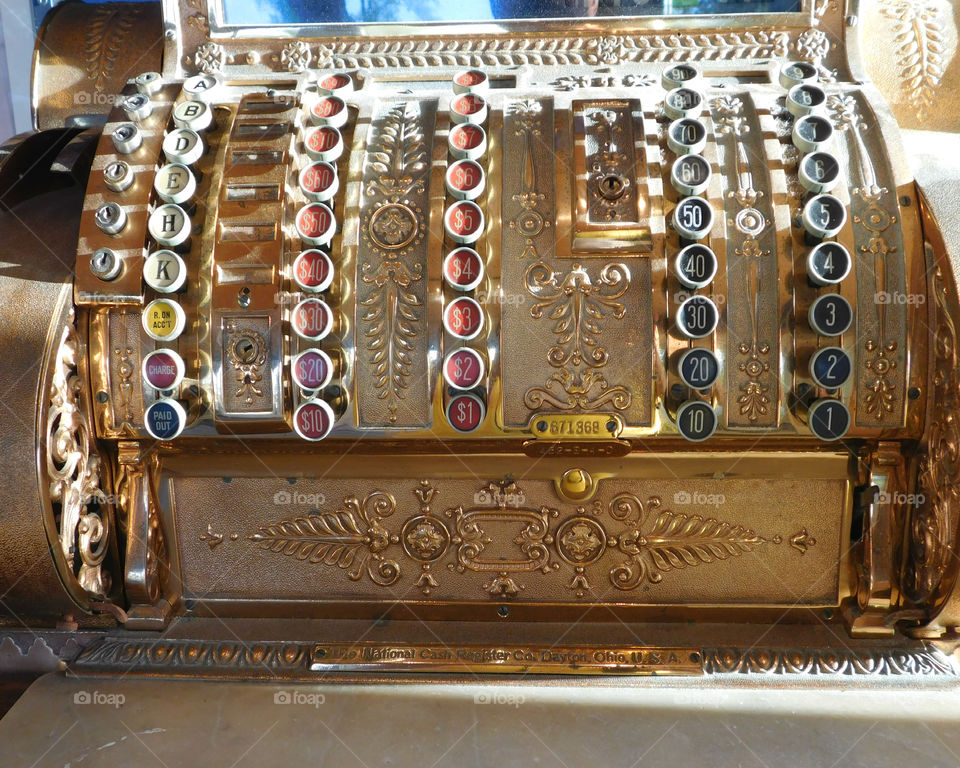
(164, 319)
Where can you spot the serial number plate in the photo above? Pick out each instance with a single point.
(594, 427)
(508, 659)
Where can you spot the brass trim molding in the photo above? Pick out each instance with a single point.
(312, 661)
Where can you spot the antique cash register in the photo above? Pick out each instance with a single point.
(362, 339)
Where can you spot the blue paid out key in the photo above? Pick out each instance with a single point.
(163, 420)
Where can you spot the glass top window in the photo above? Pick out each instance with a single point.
(298, 12)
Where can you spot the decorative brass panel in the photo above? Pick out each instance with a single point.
(651, 542)
(392, 367)
(250, 382)
(585, 329)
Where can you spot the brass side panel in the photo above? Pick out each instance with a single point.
(880, 356)
(651, 541)
(118, 345)
(581, 334)
(392, 365)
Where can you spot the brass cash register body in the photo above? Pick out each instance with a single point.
(444, 324)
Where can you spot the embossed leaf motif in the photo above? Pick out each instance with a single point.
(331, 538)
(678, 540)
(513, 51)
(109, 28)
(349, 538)
(674, 542)
(921, 50)
(400, 156)
(392, 325)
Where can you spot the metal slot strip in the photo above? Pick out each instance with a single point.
(751, 306)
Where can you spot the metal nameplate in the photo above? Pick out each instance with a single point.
(508, 659)
(600, 426)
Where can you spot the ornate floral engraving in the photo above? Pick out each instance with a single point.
(674, 541)
(504, 51)
(393, 226)
(532, 538)
(932, 528)
(498, 541)
(352, 538)
(392, 320)
(209, 58)
(398, 155)
(581, 540)
(73, 471)
(814, 45)
(577, 303)
(392, 311)
(921, 52)
(425, 537)
(246, 351)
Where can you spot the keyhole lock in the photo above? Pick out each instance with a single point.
(612, 186)
(245, 350)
